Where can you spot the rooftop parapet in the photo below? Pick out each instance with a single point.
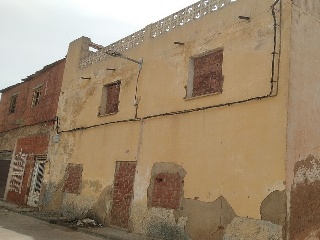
(173, 21)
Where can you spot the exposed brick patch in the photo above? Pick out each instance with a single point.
(122, 193)
(166, 185)
(167, 189)
(208, 76)
(73, 178)
(112, 102)
(36, 145)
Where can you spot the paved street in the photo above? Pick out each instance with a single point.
(14, 226)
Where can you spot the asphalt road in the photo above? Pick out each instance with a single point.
(14, 226)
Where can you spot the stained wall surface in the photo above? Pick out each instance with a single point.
(303, 134)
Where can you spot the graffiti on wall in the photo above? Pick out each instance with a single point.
(17, 171)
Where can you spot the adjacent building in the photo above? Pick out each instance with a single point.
(27, 119)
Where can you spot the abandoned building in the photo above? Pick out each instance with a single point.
(27, 118)
(202, 125)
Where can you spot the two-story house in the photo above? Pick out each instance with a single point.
(202, 125)
(27, 119)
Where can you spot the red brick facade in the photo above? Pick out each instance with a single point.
(73, 178)
(50, 78)
(35, 145)
(122, 193)
(167, 190)
(208, 76)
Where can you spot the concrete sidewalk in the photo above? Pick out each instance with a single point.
(102, 232)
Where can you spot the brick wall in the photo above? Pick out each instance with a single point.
(208, 74)
(35, 145)
(51, 79)
(73, 178)
(113, 91)
(122, 193)
(167, 191)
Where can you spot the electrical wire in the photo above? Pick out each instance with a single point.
(273, 91)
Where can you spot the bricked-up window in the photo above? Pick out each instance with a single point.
(167, 190)
(73, 178)
(122, 193)
(13, 103)
(36, 96)
(205, 75)
(110, 98)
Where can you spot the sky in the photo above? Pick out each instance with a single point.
(35, 33)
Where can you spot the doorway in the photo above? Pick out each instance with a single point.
(36, 181)
(5, 160)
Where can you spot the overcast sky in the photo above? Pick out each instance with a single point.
(35, 33)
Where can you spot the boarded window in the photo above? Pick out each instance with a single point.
(73, 178)
(206, 74)
(36, 96)
(13, 103)
(110, 98)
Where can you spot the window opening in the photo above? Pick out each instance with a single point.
(205, 76)
(36, 96)
(13, 103)
(110, 99)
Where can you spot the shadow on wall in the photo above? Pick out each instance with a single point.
(206, 220)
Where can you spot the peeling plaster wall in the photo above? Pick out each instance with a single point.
(233, 157)
(244, 178)
(98, 151)
(8, 139)
(303, 111)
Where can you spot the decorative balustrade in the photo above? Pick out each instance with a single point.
(175, 20)
(180, 18)
(126, 43)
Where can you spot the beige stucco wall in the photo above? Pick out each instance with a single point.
(237, 151)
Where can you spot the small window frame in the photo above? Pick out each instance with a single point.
(36, 95)
(190, 91)
(103, 108)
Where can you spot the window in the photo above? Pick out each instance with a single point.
(205, 76)
(36, 96)
(110, 99)
(13, 103)
(166, 191)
